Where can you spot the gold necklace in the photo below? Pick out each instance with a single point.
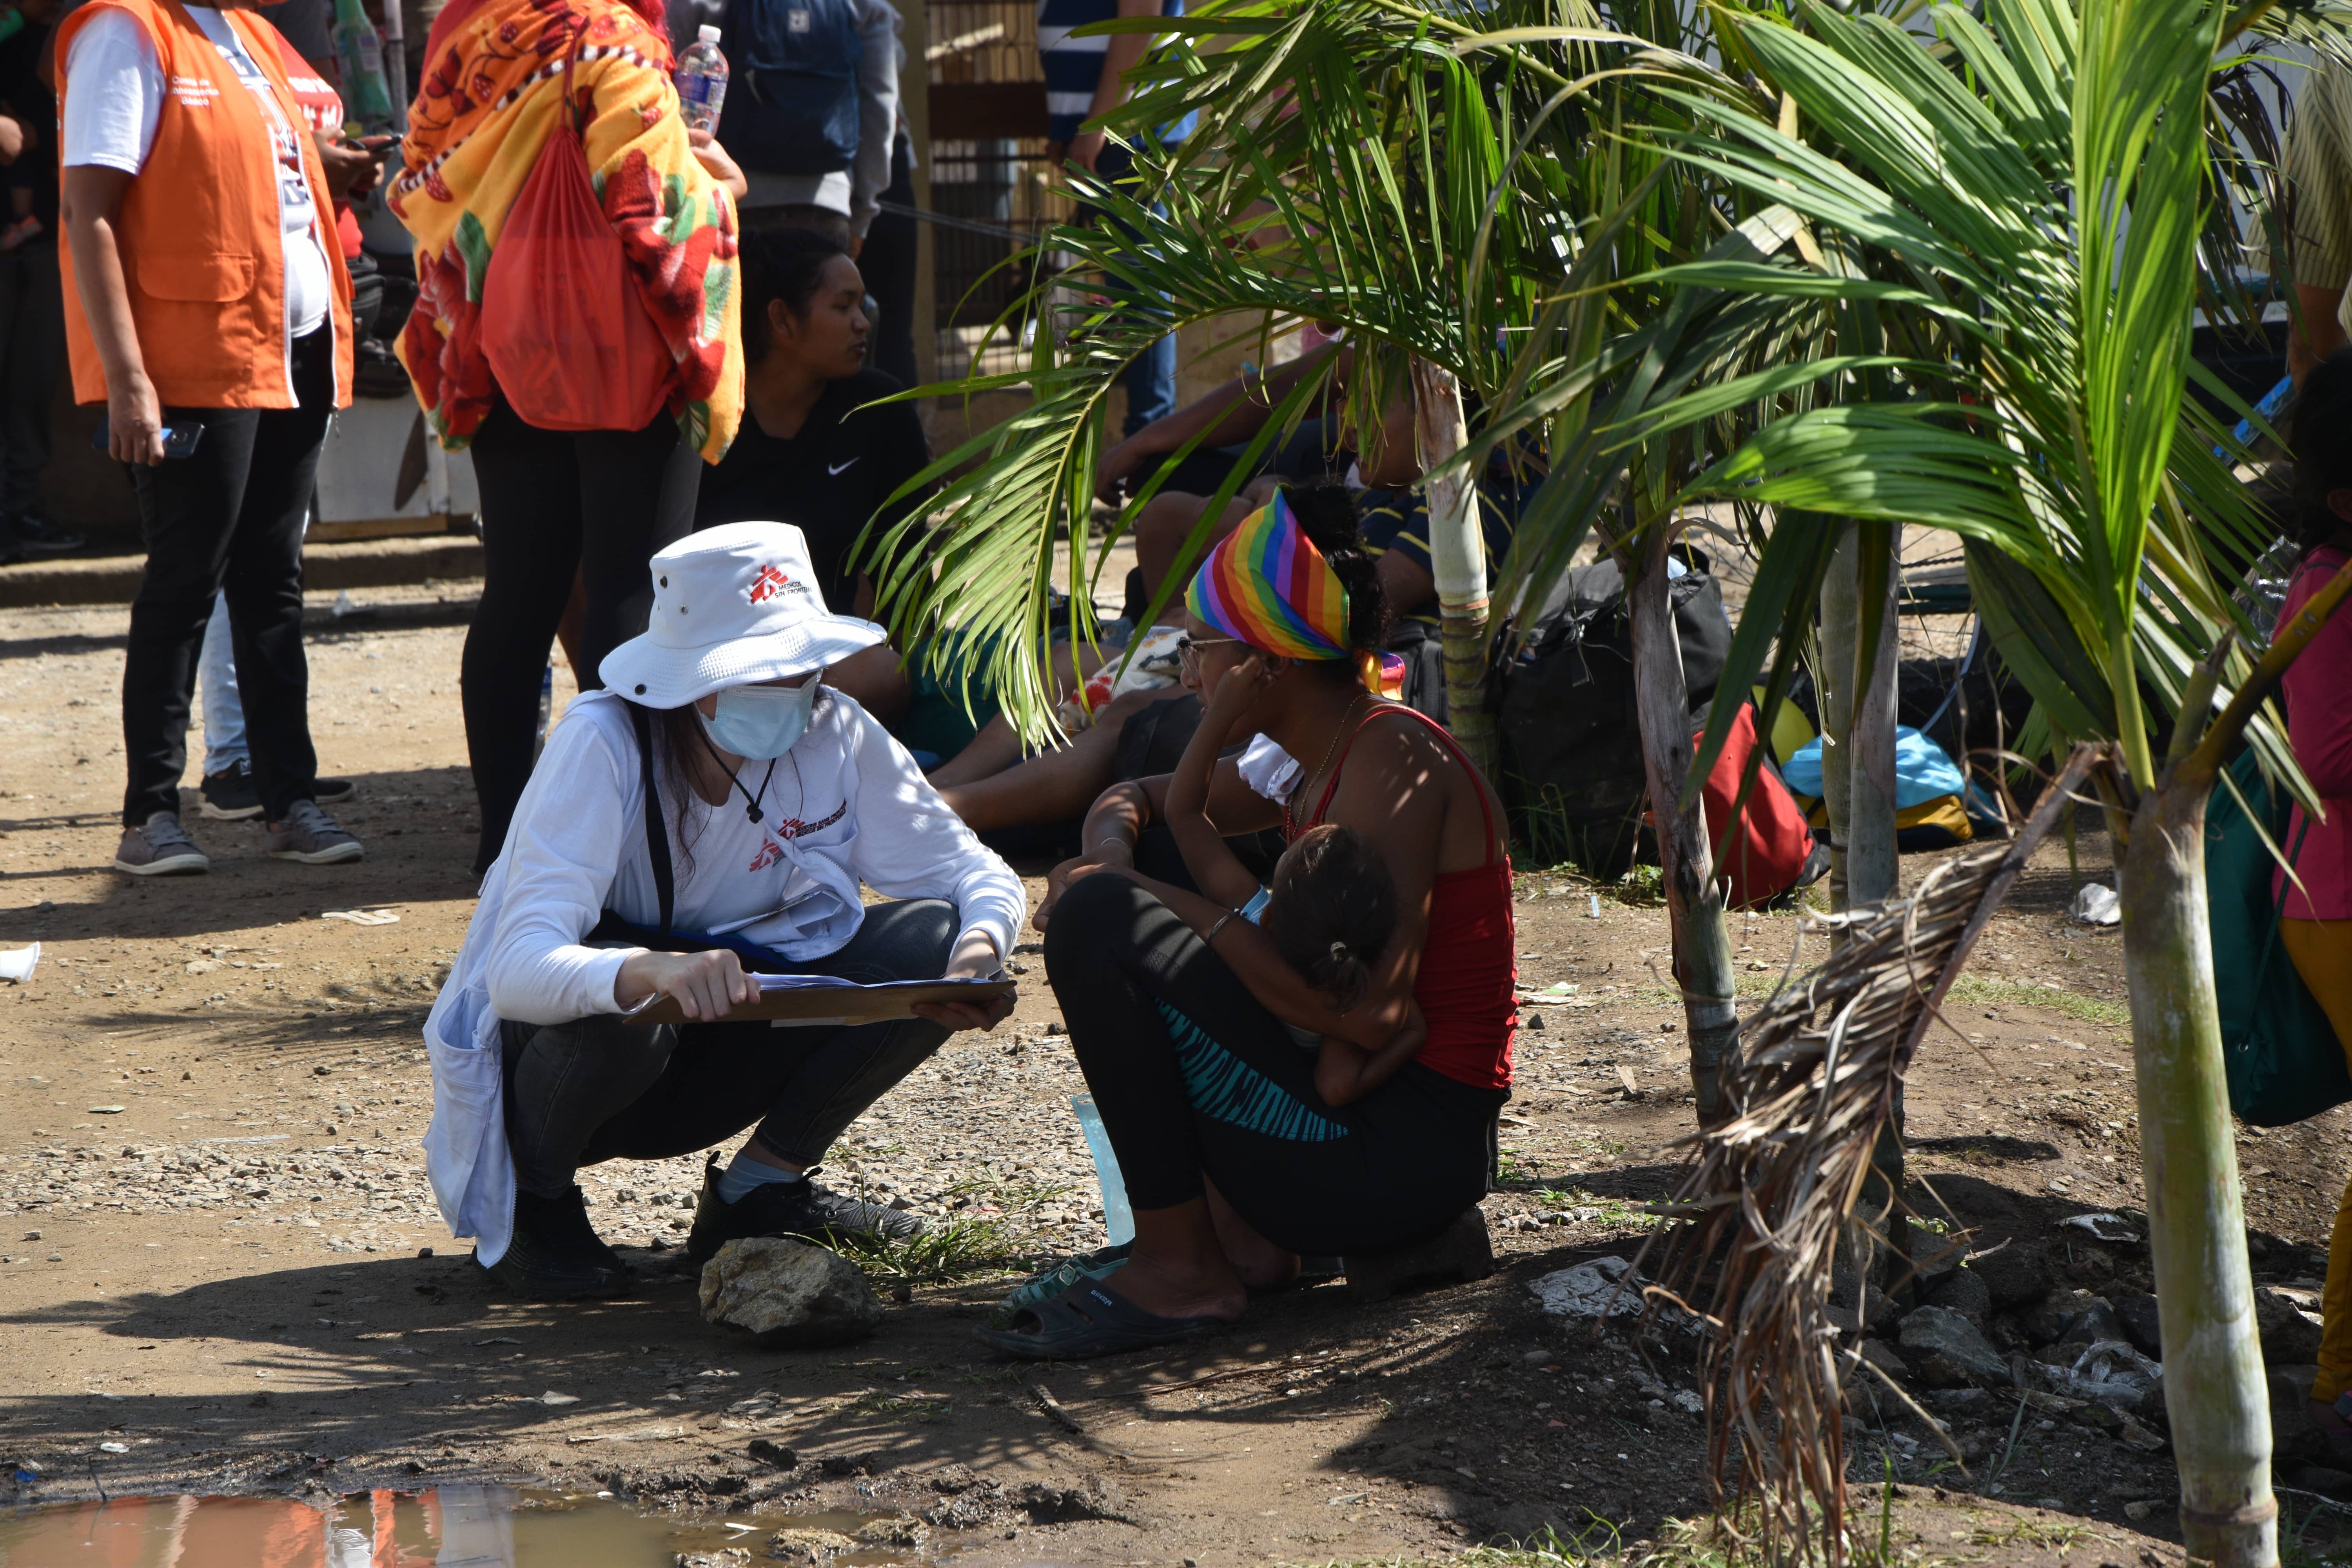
(1290, 828)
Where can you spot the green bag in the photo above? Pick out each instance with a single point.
(2283, 1061)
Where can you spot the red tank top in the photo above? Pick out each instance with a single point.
(1469, 958)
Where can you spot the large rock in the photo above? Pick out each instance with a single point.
(2290, 1334)
(2136, 1310)
(789, 1293)
(1962, 1292)
(1948, 1351)
(2071, 1316)
(2014, 1275)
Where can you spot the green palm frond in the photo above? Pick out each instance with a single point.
(1457, 186)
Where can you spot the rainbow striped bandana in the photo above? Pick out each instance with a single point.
(1266, 584)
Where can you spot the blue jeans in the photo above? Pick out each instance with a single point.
(217, 678)
(1151, 377)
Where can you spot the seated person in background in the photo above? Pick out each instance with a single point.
(810, 453)
(993, 786)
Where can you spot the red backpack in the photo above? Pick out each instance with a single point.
(565, 331)
(1764, 853)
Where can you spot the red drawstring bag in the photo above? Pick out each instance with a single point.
(1767, 851)
(563, 327)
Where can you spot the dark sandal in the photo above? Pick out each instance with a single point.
(1049, 1282)
(1089, 1320)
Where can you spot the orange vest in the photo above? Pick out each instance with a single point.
(202, 251)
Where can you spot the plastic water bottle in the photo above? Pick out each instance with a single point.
(546, 710)
(702, 81)
(1119, 1220)
(359, 58)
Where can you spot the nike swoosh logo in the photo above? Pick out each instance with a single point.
(835, 468)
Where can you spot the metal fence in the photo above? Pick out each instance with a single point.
(990, 180)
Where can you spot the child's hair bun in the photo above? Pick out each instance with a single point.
(1332, 910)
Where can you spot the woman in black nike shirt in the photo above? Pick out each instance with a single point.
(810, 453)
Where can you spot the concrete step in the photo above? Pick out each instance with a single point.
(353, 564)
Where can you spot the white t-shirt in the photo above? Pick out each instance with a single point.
(115, 95)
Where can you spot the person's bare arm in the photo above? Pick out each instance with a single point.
(350, 171)
(1345, 1071)
(1405, 585)
(1366, 1028)
(90, 202)
(1122, 53)
(718, 165)
(1216, 869)
(1389, 457)
(1231, 414)
(1120, 813)
(12, 138)
(2321, 332)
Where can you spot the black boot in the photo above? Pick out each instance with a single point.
(802, 1208)
(555, 1254)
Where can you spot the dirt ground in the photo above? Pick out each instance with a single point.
(218, 1252)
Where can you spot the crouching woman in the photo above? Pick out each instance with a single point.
(715, 799)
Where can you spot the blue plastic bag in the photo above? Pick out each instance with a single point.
(1923, 770)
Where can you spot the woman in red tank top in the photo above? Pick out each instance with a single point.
(1239, 1150)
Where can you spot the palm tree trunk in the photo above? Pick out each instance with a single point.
(1840, 628)
(1458, 556)
(1858, 732)
(1702, 936)
(1873, 871)
(2213, 1387)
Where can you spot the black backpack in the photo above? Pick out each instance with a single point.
(1572, 740)
(792, 93)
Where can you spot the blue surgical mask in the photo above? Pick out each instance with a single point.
(760, 722)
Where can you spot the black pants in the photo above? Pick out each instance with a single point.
(32, 351)
(228, 516)
(888, 261)
(553, 501)
(1192, 1074)
(598, 1088)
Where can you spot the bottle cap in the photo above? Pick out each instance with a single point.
(707, 33)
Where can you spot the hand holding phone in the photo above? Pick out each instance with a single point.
(178, 441)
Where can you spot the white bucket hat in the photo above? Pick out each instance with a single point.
(732, 606)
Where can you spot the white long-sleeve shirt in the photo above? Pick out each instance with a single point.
(846, 805)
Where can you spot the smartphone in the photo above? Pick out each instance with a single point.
(179, 440)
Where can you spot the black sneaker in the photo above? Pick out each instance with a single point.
(804, 1208)
(229, 794)
(555, 1254)
(36, 535)
(332, 792)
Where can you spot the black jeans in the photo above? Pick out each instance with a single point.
(32, 351)
(598, 1088)
(553, 502)
(888, 261)
(1194, 1076)
(228, 516)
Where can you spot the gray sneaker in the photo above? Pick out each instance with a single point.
(310, 836)
(161, 848)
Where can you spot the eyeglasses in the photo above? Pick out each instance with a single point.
(1188, 647)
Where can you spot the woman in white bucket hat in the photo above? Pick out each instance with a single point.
(777, 798)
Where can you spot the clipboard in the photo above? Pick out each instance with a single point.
(808, 1005)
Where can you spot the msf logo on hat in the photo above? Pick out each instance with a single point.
(769, 583)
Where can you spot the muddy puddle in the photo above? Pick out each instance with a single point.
(449, 1527)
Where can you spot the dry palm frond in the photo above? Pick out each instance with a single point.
(1775, 1188)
